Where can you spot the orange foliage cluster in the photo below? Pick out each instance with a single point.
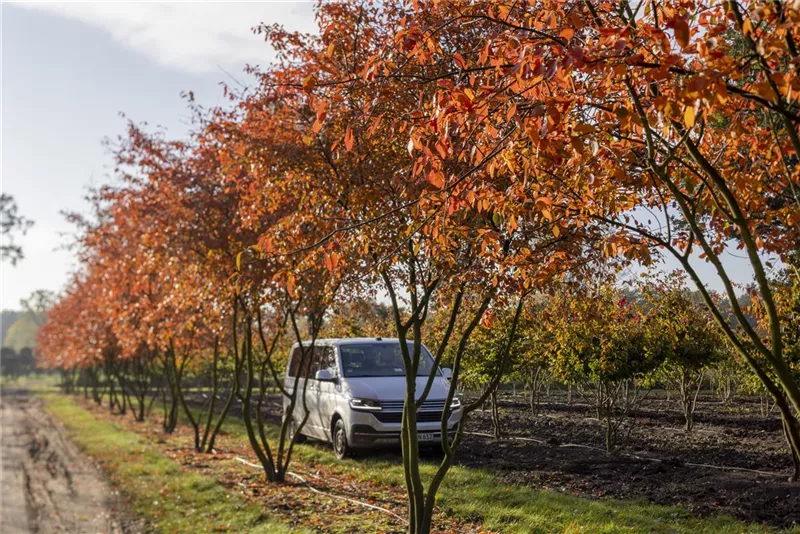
(307, 187)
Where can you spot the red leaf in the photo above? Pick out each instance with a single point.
(349, 139)
(436, 178)
(681, 28)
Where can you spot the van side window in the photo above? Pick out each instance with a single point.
(323, 358)
(294, 362)
(327, 360)
(307, 364)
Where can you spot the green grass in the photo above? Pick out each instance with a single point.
(469, 494)
(171, 499)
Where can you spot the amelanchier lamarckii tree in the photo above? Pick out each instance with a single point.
(674, 123)
(73, 338)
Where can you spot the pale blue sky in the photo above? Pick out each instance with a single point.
(68, 70)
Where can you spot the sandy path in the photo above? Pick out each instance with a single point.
(46, 484)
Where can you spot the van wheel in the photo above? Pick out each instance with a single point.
(340, 446)
(293, 434)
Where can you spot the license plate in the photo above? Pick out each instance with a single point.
(429, 436)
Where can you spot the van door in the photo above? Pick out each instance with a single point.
(300, 382)
(292, 379)
(327, 390)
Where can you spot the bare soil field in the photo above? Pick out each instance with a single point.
(48, 485)
(659, 462)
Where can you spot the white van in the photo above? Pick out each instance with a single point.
(355, 394)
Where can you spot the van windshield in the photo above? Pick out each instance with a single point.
(380, 359)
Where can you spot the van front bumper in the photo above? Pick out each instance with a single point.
(366, 436)
(366, 430)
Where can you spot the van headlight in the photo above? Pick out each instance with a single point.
(367, 405)
(456, 403)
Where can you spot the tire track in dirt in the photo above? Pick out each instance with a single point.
(47, 484)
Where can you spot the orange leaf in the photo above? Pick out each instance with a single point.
(309, 82)
(512, 110)
(747, 27)
(331, 261)
(349, 139)
(688, 116)
(682, 32)
(436, 178)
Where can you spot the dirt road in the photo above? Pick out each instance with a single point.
(47, 485)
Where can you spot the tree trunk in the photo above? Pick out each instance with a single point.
(787, 433)
(213, 400)
(171, 408)
(495, 415)
(178, 384)
(689, 419)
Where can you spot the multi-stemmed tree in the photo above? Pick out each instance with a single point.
(682, 330)
(671, 123)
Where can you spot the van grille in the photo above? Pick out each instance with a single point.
(428, 405)
(397, 417)
(392, 412)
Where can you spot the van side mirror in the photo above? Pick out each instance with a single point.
(447, 373)
(324, 375)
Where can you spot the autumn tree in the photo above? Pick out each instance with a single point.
(602, 347)
(672, 123)
(75, 337)
(528, 355)
(537, 345)
(786, 288)
(340, 123)
(686, 337)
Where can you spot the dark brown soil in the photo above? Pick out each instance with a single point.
(657, 461)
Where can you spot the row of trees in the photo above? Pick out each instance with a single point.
(456, 158)
(15, 365)
(610, 345)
